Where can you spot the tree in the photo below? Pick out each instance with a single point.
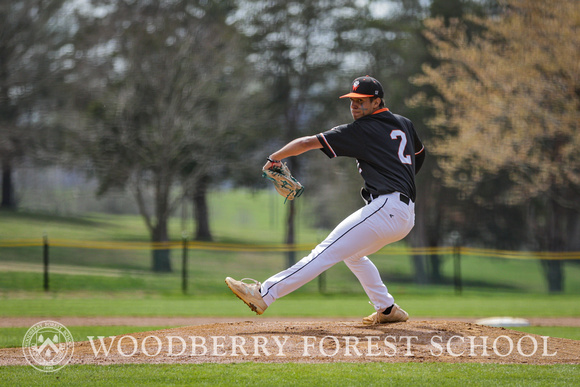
(508, 107)
(295, 50)
(438, 210)
(159, 119)
(34, 58)
(392, 48)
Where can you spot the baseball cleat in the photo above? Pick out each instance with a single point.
(397, 315)
(249, 293)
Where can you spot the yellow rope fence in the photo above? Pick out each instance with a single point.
(212, 246)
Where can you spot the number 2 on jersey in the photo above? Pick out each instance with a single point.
(405, 159)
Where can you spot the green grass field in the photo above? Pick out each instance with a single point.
(88, 282)
(336, 374)
(294, 305)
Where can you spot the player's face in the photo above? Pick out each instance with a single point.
(360, 107)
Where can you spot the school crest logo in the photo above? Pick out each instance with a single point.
(48, 346)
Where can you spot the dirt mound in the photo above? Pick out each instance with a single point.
(322, 341)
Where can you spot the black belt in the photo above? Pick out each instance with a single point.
(404, 198)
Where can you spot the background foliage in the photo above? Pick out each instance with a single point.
(155, 106)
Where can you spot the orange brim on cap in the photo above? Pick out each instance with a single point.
(356, 95)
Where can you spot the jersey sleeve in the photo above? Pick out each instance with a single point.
(420, 152)
(419, 158)
(341, 141)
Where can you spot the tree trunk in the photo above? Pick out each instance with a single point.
(161, 256)
(291, 217)
(200, 209)
(435, 261)
(418, 238)
(162, 261)
(419, 269)
(160, 234)
(157, 225)
(435, 268)
(290, 233)
(8, 201)
(554, 273)
(555, 233)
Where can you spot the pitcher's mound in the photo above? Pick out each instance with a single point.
(323, 341)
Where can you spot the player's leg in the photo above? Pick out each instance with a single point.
(364, 232)
(386, 311)
(297, 275)
(370, 279)
(383, 221)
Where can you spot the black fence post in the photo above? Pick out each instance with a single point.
(456, 241)
(457, 268)
(45, 261)
(184, 264)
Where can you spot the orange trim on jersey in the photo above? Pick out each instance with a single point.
(381, 110)
(327, 144)
(422, 149)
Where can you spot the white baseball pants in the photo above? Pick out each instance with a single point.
(385, 220)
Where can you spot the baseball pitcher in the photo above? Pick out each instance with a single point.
(389, 154)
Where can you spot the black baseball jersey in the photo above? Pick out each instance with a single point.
(387, 148)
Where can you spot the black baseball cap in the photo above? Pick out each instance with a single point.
(363, 87)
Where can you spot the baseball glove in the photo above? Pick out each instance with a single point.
(284, 182)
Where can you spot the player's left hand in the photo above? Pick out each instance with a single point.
(285, 184)
(271, 163)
